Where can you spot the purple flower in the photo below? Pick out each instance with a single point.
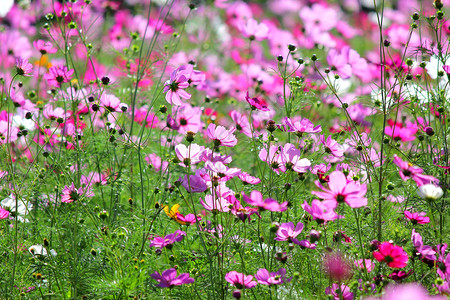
(194, 184)
(264, 277)
(168, 240)
(240, 280)
(339, 292)
(426, 251)
(169, 279)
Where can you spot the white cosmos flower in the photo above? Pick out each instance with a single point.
(22, 209)
(430, 192)
(5, 7)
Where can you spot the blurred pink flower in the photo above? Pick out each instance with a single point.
(254, 31)
(169, 278)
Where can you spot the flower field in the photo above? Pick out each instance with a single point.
(214, 149)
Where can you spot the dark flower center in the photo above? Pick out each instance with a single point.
(183, 122)
(340, 198)
(74, 195)
(388, 259)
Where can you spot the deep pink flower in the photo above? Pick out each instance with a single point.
(185, 118)
(264, 277)
(174, 87)
(291, 158)
(23, 67)
(417, 218)
(169, 278)
(240, 280)
(341, 190)
(221, 136)
(393, 256)
(399, 275)
(58, 75)
(255, 103)
(287, 232)
(168, 240)
(3, 213)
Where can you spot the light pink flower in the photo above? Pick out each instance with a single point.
(287, 232)
(254, 31)
(174, 87)
(221, 136)
(332, 147)
(189, 155)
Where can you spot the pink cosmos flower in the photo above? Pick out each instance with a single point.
(185, 118)
(169, 278)
(174, 87)
(58, 75)
(44, 47)
(287, 232)
(216, 204)
(264, 277)
(8, 133)
(341, 190)
(321, 211)
(248, 179)
(218, 169)
(402, 133)
(156, 163)
(256, 199)
(254, 31)
(240, 280)
(290, 157)
(417, 218)
(168, 240)
(195, 184)
(393, 256)
(255, 103)
(408, 171)
(425, 251)
(302, 126)
(332, 147)
(369, 264)
(71, 194)
(242, 123)
(443, 263)
(221, 136)
(189, 155)
(341, 292)
(23, 67)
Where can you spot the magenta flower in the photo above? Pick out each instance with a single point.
(242, 123)
(287, 232)
(221, 136)
(174, 87)
(302, 126)
(255, 103)
(216, 204)
(23, 67)
(169, 279)
(393, 256)
(332, 147)
(273, 158)
(417, 218)
(340, 191)
(185, 118)
(240, 280)
(3, 213)
(58, 75)
(254, 31)
(264, 277)
(256, 199)
(337, 267)
(168, 240)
